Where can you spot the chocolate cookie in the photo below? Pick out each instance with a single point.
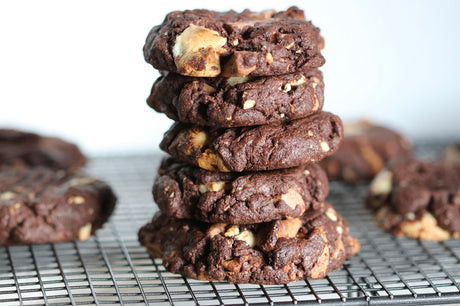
(205, 43)
(277, 252)
(418, 199)
(264, 147)
(233, 102)
(364, 151)
(451, 154)
(184, 191)
(22, 149)
(39, 205)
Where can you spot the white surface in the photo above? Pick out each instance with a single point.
(75, 69)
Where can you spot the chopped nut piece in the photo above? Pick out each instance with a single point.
(286, 88)
(269, 58)
(197, 45)
(289, 228)
(293, 199)
(324, 146)
(248, 237)
(76, 200)
(300, 81)
(381, 185)
(425, 228)
(84, 232)
(213, 186)
(249, 104)
(211, 161)
(331, 214)
(237, 65)
(7, 195)
(320, 268)
(232, 231)
(216, 229)
(232, 81)
(290, 45)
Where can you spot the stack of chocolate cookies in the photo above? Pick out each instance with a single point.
(241, 197)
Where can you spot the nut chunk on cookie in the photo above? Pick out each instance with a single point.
(39, 205)
(277, 252)
(185, 191)
(205, 43)
(417, 199)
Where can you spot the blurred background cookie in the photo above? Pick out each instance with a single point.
(365, 150)
(23, 149)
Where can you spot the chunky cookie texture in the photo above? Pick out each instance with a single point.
(266, 147)
(238, 101)
(23, 149)
(277, 252)
(417, 199)
(365, 150)
(39, 205)
(184, 191)
(205, 43)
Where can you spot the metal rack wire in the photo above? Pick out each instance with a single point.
(112, 268)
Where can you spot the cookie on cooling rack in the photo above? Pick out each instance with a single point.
(207, 44)
(185, 191)
(239, 101)
(23, 149)
(364, 151)
(39, 205)
(265, 147)
(277, 252)
(417, 199)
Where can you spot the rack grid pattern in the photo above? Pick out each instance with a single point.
(112, 268)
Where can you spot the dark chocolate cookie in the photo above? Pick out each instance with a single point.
(265, 147)
(364, 151)
(22, 149)
(184, 191)
(234, 102)
(40, 205)
(277, 252)
(205, 43)
(418, 199)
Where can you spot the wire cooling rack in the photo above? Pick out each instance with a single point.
(112, 268)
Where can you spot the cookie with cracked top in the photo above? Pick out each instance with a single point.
(24, 149)
(40, 205)
(206, 43)
(265, 147)
(189, 192)
(417, 199)
(234, 102)
(276, 252)
(364, 151)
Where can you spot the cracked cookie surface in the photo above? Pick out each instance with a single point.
(205, 43)
(39, 205)
(233, 102)
(419, 199)
(277, 252)
(23, 149)
(189, 192)
(265, 147)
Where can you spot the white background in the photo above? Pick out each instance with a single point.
(75, 69)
